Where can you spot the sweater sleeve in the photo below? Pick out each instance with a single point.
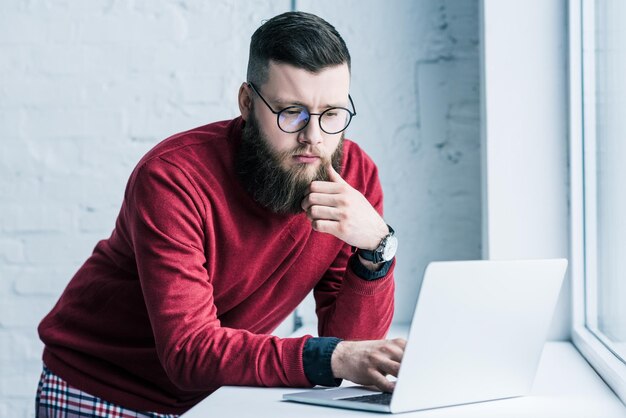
(348, 306)
(166, 221)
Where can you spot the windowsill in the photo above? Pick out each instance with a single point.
(612, 370)
(565, 386)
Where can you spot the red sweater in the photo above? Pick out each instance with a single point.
(180, 299)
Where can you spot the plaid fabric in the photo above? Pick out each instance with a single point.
(57, 399)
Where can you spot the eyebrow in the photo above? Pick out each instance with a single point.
(287, 103)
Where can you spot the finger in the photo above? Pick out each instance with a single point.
(316, 199)
(381, 382)
(401, 342)
(316, 212)
(324, 199)
(389, 367)
(306, 202)
(325, 226)
(325, 187)
(392, 351)
(333, 175)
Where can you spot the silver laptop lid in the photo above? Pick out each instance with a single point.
(477, 332)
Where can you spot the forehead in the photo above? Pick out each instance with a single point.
(287, 83)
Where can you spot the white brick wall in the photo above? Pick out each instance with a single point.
(87, 87)
(415, 83)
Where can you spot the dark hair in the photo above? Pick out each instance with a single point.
(297, 38)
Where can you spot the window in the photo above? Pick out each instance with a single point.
(598, 174)
(604, 174)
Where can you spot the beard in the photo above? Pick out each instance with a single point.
(261, 171)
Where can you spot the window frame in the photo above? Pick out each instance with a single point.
(582, 115)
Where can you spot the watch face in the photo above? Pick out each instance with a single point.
(391, 246)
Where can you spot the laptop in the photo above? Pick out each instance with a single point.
(477, 334)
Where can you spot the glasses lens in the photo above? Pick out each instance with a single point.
(335, 120)
(293, 119)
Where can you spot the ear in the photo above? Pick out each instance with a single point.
(245, 100)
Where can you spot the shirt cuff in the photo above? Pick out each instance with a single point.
(316, 357)
(366, 274)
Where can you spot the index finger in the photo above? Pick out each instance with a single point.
(333, 175)
(400, 342)
(393, 351)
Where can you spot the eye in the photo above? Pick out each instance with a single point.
(294, 112)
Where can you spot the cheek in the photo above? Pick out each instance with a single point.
(277, 140)
(331, 143)
(280, 144)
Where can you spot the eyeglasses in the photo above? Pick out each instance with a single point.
(295, 118)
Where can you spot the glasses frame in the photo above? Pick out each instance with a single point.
(319, 120)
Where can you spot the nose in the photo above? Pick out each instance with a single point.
(312, 133)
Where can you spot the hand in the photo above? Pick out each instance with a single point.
(334, 207)
(368, 362)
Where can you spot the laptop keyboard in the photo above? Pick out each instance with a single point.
(378, 398)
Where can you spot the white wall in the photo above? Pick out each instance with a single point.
(415, 83)
(525, 148)
(87, 87)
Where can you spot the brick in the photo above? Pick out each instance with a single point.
(72, 122)
(16, 61)
(23, 312)
(14, 6)
(197, 113)
(106, 62)
(148, 125)
(165, 26)
(82, 9)
(61, 156)
(14, 159)
(19, 385)
(201, 90)
(105, 192)
(53, 189)
(18, 407)
(6, 285)
(54, 18)
(39, 281)
(54, 123)
(61, 29)
(41, 90)
(18, 347)
(59, 248)
(18, 28)
(105, 92)
(93, 219)
(11, 122)
(20, 187)
(88, 189)
(11, 250)
(34, 218)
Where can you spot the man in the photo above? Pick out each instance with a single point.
(223, 230)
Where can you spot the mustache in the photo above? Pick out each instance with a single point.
(306, 150)
(260, 169)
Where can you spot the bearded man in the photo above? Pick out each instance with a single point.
(223, 230)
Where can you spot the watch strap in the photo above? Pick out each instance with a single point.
(368, 255)
(376, 255)
(366, 274)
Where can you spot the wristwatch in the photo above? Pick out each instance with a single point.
(385, 251)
